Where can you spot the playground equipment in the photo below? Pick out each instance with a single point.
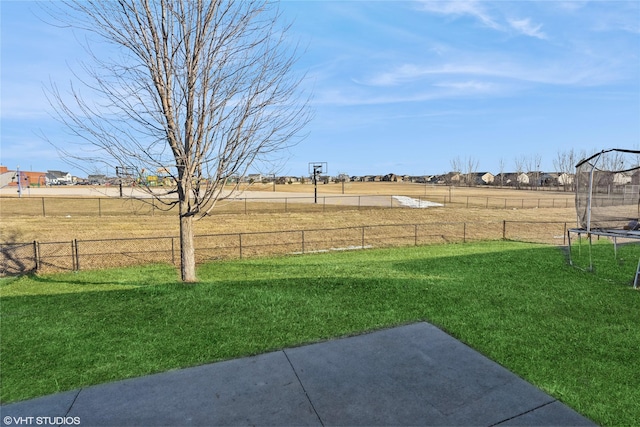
(608, 198)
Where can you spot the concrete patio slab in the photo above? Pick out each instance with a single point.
(410, 375)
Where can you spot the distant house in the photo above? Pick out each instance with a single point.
(97, 179)
(523, 178)
(53, 177)
(483, 178)
(558, 179)
(392, 178)
(419, 179)
(454, 178)
(500, 179)
(512, 179)
(287, 180)
(254, 177)
(439, 179)
(565, 178)
(547, 180)
(539, 179)
(622, 178)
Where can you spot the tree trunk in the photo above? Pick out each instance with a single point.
(187, 249)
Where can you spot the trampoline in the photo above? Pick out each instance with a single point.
(608, 199)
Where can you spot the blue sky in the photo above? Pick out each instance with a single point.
(401, 87)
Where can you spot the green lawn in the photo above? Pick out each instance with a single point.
(573, 333)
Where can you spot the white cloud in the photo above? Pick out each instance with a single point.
(401, 74)
(478, 11)
(460, 8)
(469, 86)
(571, 6)
(525, 27)
(494, 74)
(408, 73)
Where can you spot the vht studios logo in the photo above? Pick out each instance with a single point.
(41, 421)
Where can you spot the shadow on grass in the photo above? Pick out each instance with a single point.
(89, 281)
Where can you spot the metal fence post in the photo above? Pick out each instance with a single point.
(73, 259)
(75, 255)
(240, 243)
(36, 254)
(363, 237)
(303, 241)
(43, 211)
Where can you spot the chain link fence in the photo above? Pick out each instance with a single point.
(18, 258)
(45, 257)
(111, 206)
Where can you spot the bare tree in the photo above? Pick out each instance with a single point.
(533, 169)
(564, 165)
(200, 89)
(501, 166)
(613, 161)
(519, 163)
(471, 169)
(456, 170)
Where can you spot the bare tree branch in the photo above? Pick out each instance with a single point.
(201, 89)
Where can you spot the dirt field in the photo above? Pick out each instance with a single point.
(307, 190)
(291, 207)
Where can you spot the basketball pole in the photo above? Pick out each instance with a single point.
(316, 168)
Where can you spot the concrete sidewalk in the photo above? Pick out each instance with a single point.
(410, 375)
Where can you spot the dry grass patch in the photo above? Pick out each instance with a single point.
(111, 218)
(52, 229)
(412, 189)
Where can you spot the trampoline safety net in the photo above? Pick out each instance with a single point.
(608, 190)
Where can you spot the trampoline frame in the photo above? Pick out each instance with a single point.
(612, 233)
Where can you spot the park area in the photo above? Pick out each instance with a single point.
(569, 330)
(64, 213)
(79, 227)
